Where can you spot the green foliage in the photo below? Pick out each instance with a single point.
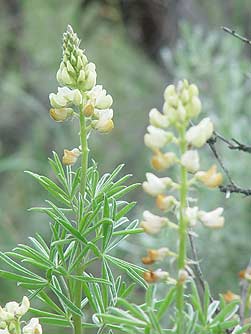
(48, 269)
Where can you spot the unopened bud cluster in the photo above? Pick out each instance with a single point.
(10, 319)
(172, 126)
(79, 92)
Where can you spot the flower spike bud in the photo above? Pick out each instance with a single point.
(160, 161)
(152, 224)
(91, 76)
(212, 219)
(190, 160)
(88, 110)
(157, 119)
(199, 134)
(155, 185)
(210, 178)
(194, 108)
(61, 114)
(71, 157)
(33, 327)
(166, 203)
(74, 70)
(156, 255)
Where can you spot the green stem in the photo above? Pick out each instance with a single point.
(182, 234)
(85, 151)
(77, 293)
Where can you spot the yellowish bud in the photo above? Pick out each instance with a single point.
(88, 110)
(193, 90)
(61, 114)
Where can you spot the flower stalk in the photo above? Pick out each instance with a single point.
(181, 105)
(79, 97)
(182, 233)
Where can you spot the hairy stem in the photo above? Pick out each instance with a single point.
(77, 293)
(85, 151)
(182, 234)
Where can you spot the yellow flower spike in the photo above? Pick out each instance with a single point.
(210, 178)
(61, 114)
(160, 161)
(70, 157)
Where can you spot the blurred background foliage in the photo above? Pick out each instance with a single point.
(139, 46)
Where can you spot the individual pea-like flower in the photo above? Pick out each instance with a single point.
(229, 296)
(98, 98)
(158, 119)
(156, 185)
(65, 97)
(158, 276)
(210, 178)
(160, 161)
(13, 310)
(152, 224)
(33, 327)
(157, 255)
(245, 274)
(61, 114)
(157, 138)
(104, 124)
(212, 219)
(191, 215)
(166, 203)
(71, 157)
(199, 134)
(190, 160)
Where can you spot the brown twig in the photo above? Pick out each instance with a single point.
(231, 187)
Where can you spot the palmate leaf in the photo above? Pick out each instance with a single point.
(50, 318)
(135, 272)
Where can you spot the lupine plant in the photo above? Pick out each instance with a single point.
(72, 275)
(174, 141)
(87, 215)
